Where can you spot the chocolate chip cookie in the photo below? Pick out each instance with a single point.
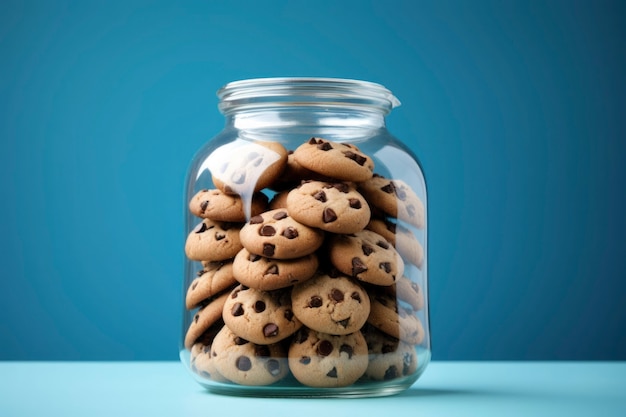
(217, 205)
(334, 207)
(333, 304)
(367, 256)
(275, 234)
(321, 360)
(212, 240)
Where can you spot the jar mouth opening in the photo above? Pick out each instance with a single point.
(280, 92)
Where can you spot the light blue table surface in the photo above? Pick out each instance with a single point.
(445, 389)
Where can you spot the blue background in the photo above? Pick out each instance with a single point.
(516, 110)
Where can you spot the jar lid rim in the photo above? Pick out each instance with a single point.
(315, 86)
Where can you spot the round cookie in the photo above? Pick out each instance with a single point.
(250, 167)
(321, 360)
(275, 234)
(395, 198)
(389, 358)
(408, 291)
(342, 161)
(402, 238)
(333, 207)
(214, 278)
(246, 363)
(200, 357)
(333, 304)
(262, 317)
(212, 240)
(215, 204)
(268, 274)
(386, 315)
(205, 318)
(367, 256)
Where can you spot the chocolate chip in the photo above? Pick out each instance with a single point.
(401, 194)
(356, 296)
(359, 159)
(254, 257)
(342, 187)
(256, 220)
(358, 266)
(344, 323)
(383, 244)
(267, 230)
(289, 315)
(196, 317)
(391, 373)
(268, 249)
(237, 310)
(347, 349)
(194, 285)
(240, 341)
(219, 236)
(332, 373)
(202, 227)
(391, 226)
(259, 306)
(243, 363)
(290, 233)
(200, 272)
(324, 146)
(367, 249)
(204, 205)
(280, 215)
(329, 215)
(389, 188)
(262, 351)
(386, 266)
(411, 210)
(272, 270)
(320, 196)
(336, 295)
(315, 302)
(415, 287)
(325, 348)
(270, 330)
(355, 203)
(313, 141)
(305, 360)
(273, 367)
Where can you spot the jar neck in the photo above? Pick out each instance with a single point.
(305, 102)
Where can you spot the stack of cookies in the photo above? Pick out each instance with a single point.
(301, 260)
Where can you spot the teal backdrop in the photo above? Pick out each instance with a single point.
(515, 108)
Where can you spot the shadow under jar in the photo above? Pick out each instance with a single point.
(305, 229)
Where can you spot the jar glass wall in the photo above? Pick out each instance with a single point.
(306, 246)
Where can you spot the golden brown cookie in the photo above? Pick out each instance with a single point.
(214, 278)
(367, 256)
(331, 303)
(321, 360)
(275, 234)
(342, 161)
(268, 274)
(395, 198)
(247, 363)
(402, 238)
(389, 317)
(215, 204)
(262, 317)
(212, 240)
(333, 207)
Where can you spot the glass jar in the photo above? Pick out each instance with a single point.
(306, 249)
